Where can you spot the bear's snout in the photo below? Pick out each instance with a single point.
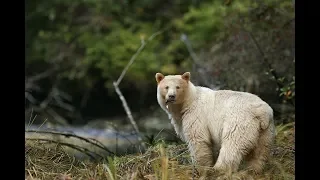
(171, 98)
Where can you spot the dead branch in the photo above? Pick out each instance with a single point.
(86, 96)
(264, 57)
(201, 69)
(41, 75)
(118, 91)
(78, 148)
(266, 61)
(90, 141)
(126, 108)
(55, 96)
(59, 97)
(143, 44)
(30, 98)
(43, 106)
(56, 116)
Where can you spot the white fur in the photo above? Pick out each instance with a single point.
(223, 127)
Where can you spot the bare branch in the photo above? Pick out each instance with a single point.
(265, 60)
(288, 22)
(85, 98)
(30, 86)
(30, 98)
(127, 109)
(201, 69)
(130, 62)
(184, 39)
(62, 104)
(91, 141)
(54, 96)
(116, 84)
(41, 75)
(143, 44)
(56, 116)
(45, 102)
(62, 94)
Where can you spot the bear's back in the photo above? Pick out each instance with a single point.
(237, 98)
(222, 100)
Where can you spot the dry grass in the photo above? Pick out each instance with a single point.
(45, 161)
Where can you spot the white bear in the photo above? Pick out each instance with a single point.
(221, 127)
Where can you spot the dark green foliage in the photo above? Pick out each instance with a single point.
(88, 43)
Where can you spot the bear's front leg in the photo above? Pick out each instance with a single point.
(202, 155)
(178, 130)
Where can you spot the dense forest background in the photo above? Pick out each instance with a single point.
(75, 50)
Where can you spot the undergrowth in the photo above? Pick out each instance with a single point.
(161, 161)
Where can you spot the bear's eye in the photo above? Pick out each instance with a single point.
(178, 87)
(167, 87)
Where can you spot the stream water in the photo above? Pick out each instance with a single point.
(115, 141)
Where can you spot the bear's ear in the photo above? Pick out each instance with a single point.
(186, 76)
(159, 77)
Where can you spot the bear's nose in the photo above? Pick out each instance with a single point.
(172, 96)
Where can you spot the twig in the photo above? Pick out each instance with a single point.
(265, 60)
(80, 149)
(116, 84)
(96, 143)
(56, 116)
(185, 40)
(56, 95)
(143, 44)
(195, 60)
(288, 22)
(86, 96)
(41, 75)
(29, 97)
(59, 102)
(127, 109)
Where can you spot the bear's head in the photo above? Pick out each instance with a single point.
(172, 89)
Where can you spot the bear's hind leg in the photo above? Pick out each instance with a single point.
(228, 159)
(259, 155)
(237, 141)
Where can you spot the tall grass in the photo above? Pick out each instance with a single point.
(159, 162)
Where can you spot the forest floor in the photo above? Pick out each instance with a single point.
(160, 161)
